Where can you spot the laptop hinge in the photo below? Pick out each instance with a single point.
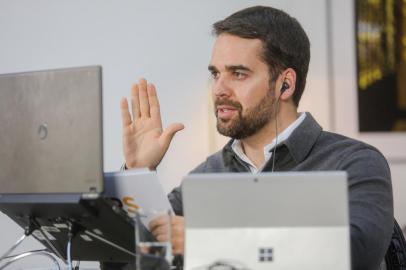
(90, 196)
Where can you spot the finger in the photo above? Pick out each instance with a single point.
(154, 107)
(177, 241)
(177, 220)
(178, 246)
(158, 221)
(135, 101)
(177, 251)
(161, 230)
(162, 238)
(177, 230)
(168, 134)
(125, 114)
(144, 104)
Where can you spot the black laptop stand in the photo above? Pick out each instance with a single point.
(73, 228)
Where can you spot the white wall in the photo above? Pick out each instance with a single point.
(168, 42)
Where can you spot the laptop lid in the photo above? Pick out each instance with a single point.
(266, 221)
(51, 138)
(139, 191)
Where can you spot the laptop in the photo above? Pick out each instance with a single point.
(51, 165)
(290, 220)
(51, 139)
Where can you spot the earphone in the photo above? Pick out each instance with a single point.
(285, 86)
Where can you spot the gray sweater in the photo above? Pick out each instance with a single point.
(309, 148)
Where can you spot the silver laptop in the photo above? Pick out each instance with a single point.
(51, 131)
(293, 220)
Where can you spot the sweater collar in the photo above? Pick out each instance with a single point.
(299, 143)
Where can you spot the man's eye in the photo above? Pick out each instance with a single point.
(239, 75)
(214, 74)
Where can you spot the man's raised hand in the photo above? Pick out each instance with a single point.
(144, 141)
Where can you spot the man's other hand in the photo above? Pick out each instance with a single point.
(159, 228)
(144, 141)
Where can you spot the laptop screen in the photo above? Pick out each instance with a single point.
(51, 135)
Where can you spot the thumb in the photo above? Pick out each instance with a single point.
(169, 132)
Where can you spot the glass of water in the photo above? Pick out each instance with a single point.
(150, 252)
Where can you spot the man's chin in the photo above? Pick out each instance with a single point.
(226, 129)
(224, 124)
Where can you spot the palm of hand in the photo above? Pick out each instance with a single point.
(144, 141)
(141, 143)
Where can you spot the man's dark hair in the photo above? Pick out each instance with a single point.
(286, 44)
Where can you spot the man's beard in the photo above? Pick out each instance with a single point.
(254, 118)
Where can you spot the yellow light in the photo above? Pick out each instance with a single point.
(377, 74)
(363, 82)
(374, 2)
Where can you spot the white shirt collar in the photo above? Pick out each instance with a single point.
(237, 147)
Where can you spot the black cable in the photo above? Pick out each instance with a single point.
(276, 132)
(30, 226)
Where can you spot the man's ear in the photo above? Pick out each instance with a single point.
(288, 84)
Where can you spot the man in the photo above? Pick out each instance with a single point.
(259, 65)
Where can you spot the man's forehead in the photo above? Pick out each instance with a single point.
(240, 41)
(230, 50)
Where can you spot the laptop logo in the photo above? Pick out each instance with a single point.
(265, 254)
(43, 131)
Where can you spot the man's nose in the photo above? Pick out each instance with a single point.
(221, 87)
